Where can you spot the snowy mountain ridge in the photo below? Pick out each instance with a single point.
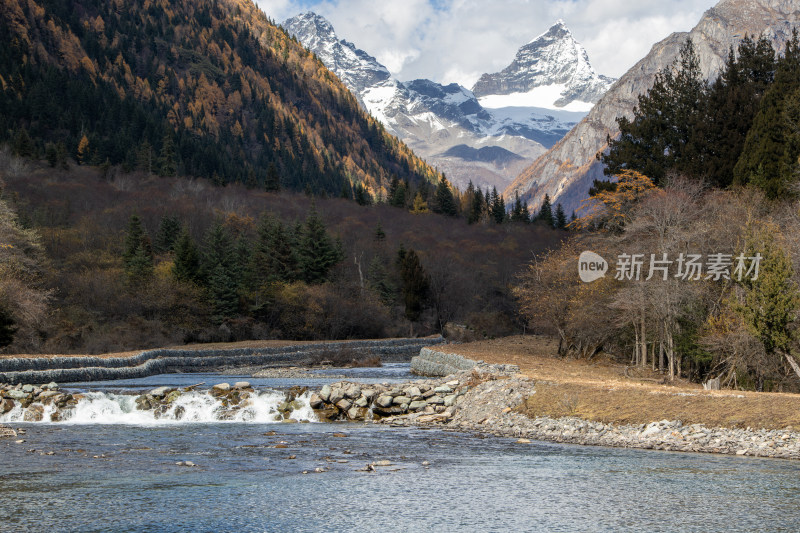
(551, 71)
(433, 118)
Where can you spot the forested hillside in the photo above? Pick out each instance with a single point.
(94, 261)
(205, 88)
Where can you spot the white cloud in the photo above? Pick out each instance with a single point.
(457, 40)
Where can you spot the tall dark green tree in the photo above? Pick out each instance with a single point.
(7, 327)
(497, 207)
(219, 269)
(272, 182)
(727, 111)
(317, 253)
(476, 206)
(545, 214)
(655, 140)
(274, 255)
(186, 266)
(166, 157)
(771, 149)
(444, 201)
(560, 219)
(519, 211)
(169, 229)
(137, 254)
(416, 283)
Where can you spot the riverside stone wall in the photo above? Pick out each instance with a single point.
(435, 363)
(160, 361)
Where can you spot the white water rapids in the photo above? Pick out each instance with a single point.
(191, 407)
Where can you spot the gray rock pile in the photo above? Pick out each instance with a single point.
(34, 399)
(435, 399)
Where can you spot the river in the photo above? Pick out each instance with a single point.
(112, 472)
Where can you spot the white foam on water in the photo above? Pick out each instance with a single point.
(194, 407)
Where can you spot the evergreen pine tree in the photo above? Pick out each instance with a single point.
(7, 328)
(166, 158)
(477, 208)
(519, 211)
(655, 140)
(186, 266)
(445, 203)
(23, 144)
(415, 283)
(51, 154)
(317, 252)
(546, 212)
(398, 196)
(380, 235)
(769, 156)
(168, 231)
(272, 183)
(137, 254)
(379, 281)
(560, 221)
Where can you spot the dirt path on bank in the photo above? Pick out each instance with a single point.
(600, 391)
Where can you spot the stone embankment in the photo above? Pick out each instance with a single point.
(430, 362)
(151, 362)
(486, 399)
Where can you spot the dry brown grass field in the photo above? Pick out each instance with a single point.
(601, 390)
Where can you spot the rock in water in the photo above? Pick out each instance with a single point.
(7, 432)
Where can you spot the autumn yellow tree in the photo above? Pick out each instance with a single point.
(610, 209)
(83, 150)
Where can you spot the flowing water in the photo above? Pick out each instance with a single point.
(113, 469)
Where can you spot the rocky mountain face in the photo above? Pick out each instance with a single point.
(551, 71)
(445, 124)
(567, 170)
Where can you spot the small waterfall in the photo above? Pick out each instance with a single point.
(193, 407)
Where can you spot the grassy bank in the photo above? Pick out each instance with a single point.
(602, 391)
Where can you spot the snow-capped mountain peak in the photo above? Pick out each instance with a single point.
(551, 71)
(357, 69)
(444, 124)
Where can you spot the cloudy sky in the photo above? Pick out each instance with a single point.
(458, 40)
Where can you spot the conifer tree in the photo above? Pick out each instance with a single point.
(379, 281)
(655, 140)
(560, 221)
(272, 182)
(546, 212)
(420, 205)
(415, 283)
(769, 156)
(380, 235)
(497, 207)
(770, 304)
(166, 158)
(137, 254)
(169, 230)
(186, 266)
(274, 255)
(7, 328)
(317, 252)
(23, 144)
(445, 203)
